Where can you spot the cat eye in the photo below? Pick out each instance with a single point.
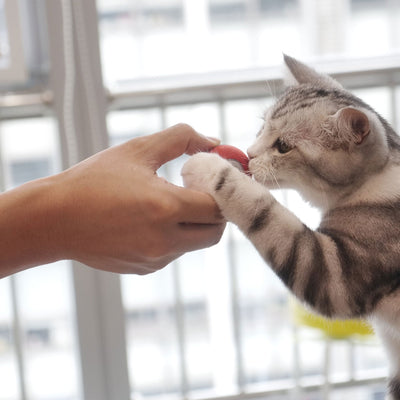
(282, 147)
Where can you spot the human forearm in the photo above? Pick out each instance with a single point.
(28, 227)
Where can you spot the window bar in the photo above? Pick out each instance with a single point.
(17, 333)
(234, 286)
(296, 362)
(180, 329)
(327, 369)
(236, 312)
(179, 303)
(16, 321)
(352, 361)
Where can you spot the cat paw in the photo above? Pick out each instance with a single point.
(202, 170)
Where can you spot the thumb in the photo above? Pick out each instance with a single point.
(177, 140)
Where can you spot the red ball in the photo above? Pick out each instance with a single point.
(232, 153)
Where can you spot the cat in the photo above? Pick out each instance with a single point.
(343, 158)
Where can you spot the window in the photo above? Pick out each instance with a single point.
(216, 323)
(30, 149)
(23, 56)
(38, 350)
(248, 34)
(47, 332)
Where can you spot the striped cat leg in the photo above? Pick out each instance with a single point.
(295, 252)
(305, 260)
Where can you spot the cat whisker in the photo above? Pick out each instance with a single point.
(272, 173)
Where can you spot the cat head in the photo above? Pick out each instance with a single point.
(318, 138)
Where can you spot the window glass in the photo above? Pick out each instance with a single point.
(46, 313)
(153, 353)
(152, 39)
(29, 149)
(382, 16)
(23, 56)
(128, 124)
(136, 34)
(379, 99)
(243, 120)
(4, 47)
(265, 324)
(197, 333)
(43, 296)
(175, 37)
(203, 117)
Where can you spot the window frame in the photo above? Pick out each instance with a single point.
(99, 307)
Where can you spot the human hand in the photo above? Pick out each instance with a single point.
(118, 215)
(111, 211)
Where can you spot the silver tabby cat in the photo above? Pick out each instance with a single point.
(344, 158)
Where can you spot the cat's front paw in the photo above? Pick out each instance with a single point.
(202, 170)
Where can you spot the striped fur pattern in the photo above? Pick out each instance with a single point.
(344, 158)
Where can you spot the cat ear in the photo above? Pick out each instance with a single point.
(300, 73)
(354, 123)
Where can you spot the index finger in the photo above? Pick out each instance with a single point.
(177, 140)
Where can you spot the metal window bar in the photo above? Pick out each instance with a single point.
(216, 86)
(17, 333)
(234, 284)
(15, 312)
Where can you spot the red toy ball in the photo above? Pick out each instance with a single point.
(234, 155)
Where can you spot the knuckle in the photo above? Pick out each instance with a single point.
(182, 126)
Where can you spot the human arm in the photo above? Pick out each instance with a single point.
(111, 211)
